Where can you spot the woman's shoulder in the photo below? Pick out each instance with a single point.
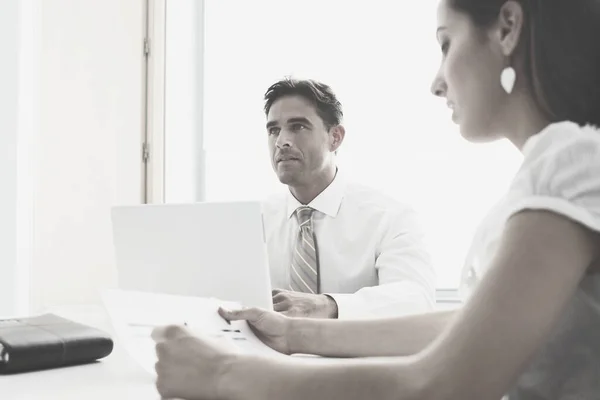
(561, 173)
(561, 156)
(563, 142)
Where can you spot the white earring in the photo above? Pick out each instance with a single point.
(507, 79)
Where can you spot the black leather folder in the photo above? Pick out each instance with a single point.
(49, 341)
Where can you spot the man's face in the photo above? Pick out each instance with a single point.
(300, 144)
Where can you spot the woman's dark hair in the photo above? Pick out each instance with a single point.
(318, 94)
(560, 43)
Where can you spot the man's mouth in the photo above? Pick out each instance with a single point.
(284, 159)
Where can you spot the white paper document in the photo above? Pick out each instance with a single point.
(134, 315)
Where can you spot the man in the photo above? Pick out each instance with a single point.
(336, 249)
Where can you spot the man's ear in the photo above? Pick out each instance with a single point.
(509, 27)
(336, 135)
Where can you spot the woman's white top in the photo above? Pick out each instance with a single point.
(560, 173)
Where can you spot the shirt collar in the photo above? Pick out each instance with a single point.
(328, 201)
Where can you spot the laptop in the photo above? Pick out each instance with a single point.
(210, 249)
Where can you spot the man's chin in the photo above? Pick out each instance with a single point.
(286, 177)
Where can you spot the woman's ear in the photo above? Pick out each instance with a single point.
(510, 26)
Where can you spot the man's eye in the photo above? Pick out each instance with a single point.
(298, 127)
(273, 131)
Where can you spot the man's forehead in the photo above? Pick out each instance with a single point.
(292, 106)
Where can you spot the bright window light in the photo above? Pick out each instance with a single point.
(380, 59)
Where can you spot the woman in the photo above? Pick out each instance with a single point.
(526, 70)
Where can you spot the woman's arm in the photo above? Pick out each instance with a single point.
(252, 378)
(367, 338)
(541, 261)
(344, 338)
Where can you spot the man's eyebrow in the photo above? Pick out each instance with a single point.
(299, 120)
(293, 120)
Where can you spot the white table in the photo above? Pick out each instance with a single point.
(115, 377)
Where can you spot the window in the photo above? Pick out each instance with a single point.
(380, 59)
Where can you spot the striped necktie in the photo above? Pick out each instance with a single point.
(305, 265)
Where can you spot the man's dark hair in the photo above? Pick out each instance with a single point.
(318, 94)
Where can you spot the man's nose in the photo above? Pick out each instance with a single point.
(284, 139)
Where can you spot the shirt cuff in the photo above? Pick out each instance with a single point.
(349, 305)
(361, 306)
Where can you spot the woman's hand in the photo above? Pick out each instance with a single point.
(189, 366)
(270, 327)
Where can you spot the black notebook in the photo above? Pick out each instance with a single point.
(49, 341)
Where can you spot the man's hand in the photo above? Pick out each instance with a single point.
(271, 328)
(190, 367)
(296, 304)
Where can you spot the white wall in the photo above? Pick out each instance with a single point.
(9, 40)
(87, 152)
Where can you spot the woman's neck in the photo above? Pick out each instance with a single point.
(523, 118)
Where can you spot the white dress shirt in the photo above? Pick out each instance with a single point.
(371, 254)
